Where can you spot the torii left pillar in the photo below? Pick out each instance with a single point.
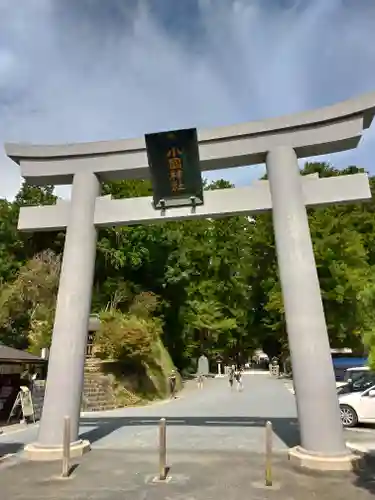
(67, 356)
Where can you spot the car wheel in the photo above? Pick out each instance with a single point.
(349, 417)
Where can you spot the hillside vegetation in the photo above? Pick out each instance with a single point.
(170, 291)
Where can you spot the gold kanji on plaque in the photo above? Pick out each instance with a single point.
(175, 186)
(174, 153)
(175, 169)
(175, 164)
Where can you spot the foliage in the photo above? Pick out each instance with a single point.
(366, 306)
(28, 302)
(198, 285)
(345, 265)
(130, 335)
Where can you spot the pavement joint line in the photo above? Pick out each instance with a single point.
(361, 447)
(359, 430)
(156, 420)
(278, 452)
(29, 426)
(229, 421)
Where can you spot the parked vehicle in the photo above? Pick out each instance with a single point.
(361, 374)
(342, 362)
(357, 407)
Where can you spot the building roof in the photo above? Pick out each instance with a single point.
(11, 355)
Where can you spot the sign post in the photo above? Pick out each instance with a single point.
(173, 159)
(24, 401)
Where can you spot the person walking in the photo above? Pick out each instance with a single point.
(238, 377)
(200, 380)
(173, 384)
(231, 376)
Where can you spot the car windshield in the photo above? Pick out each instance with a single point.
(354, 375)
(362, 383)
(365, 380)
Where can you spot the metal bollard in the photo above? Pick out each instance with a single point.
(268, 465)
(66, 448)
(162, 450)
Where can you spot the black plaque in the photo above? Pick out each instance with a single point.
(173, 158)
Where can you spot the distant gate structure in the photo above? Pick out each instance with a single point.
(279, 143)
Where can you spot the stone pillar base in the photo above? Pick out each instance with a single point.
(325, 463)
(40, 453)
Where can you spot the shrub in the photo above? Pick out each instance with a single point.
(126, 336)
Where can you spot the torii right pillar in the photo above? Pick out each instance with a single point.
(322, 439)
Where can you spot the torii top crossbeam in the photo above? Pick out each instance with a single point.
(327, 130)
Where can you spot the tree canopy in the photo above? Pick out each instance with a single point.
(207, 286)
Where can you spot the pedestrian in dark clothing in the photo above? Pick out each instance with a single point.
(173, 384)
(231, 376)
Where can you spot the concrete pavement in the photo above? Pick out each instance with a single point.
(115, 475)
(214, 418)
(215, 441)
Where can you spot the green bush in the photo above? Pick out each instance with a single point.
(126, 336)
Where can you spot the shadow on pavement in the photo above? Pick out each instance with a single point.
(285, 428)
(10, 448)
(365, 475)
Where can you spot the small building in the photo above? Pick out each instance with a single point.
(15, 368)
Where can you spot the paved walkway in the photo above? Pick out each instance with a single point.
(215, 450)
(214, 418)
(115, 475)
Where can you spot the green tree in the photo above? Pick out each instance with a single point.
(344, 267)
(27, 304)
(202, 284)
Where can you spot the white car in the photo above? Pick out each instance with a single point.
(358, 407)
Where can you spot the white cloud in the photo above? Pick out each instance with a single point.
(91, 70)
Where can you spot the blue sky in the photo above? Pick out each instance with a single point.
(86, 70)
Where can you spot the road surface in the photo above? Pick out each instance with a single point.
(215, 450)
(214, 418)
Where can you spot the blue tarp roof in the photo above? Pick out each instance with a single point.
(349, 361)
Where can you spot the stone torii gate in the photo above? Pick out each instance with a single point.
(277, 142)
